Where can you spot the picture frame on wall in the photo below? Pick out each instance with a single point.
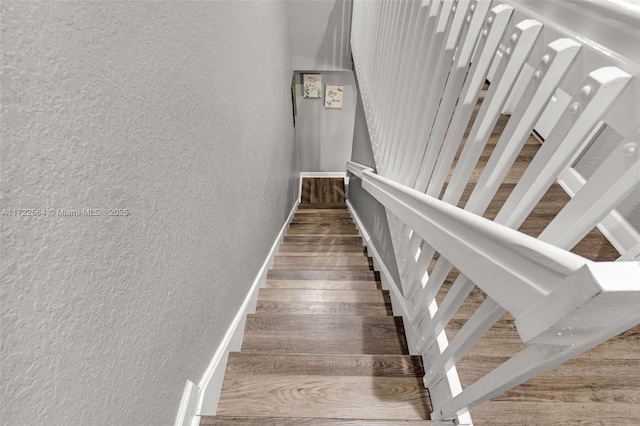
(312, 85)
(333, 96)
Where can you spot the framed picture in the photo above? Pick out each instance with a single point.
(312, 85)
(333, 96)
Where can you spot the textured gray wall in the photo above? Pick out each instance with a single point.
(371, 212)
(319, 34)
(179, 112)
(324, 135)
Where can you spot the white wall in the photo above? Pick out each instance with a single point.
(319, 34)
(179, 112)
(324, 135)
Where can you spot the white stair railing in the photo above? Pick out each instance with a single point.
(421, 67)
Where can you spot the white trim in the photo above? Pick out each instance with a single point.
(320, 175)
(620, 233)
(187, 409)
(399, 307)
(388, 283)
(211, 382)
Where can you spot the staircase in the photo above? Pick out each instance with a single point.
(323, 346)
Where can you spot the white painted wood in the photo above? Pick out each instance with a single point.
(419, 87)
(527, 33)
(478, 247)
(187, 411)
(600, 90)
(432, 327)
(616, 177)
(479, 323)
(386, 279)
(356, 168)
(211, 382)
(561, 327)
(557, 59)
(412, 157)
(620, 233)
(459, 69)
(488, 43)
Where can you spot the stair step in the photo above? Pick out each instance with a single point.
(332, 397)
(326, 263)
(322, 206)
(370, 326)
(322, 231)
(289, 274)
(324, 334)
(322, 220)
(325, 365)
(305, 249)
(304, 295)
(323, 239)
(308, 421)
(322, 259)
(324, 308)
(324, 285)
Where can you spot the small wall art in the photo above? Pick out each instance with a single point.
(333, 96)
(312, 85)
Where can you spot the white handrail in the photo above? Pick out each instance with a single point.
(420, 67)
(563, 304)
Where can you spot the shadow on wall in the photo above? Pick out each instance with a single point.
(335, 47)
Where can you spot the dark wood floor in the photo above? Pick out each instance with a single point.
(322, 190)
(322, 347)
(602, 386)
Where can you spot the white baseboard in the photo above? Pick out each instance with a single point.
(211, 382)
(398, 305)
(386, 279)
(187, 410)
(321, 175)
(620, 233)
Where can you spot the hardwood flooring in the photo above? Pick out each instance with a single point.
(322, 190)
(322, 347)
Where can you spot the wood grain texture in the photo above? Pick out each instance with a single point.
(324, 285)
(317, 295)
(322, 190)
(360, 397)
(326, 365)
(324, 308)
(288, 274)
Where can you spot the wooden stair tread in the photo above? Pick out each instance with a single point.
(322, 206)
(328, 259)
(309, 421)
(319, 295)
(323, 239)
(375, 326)
(324, 308)
(325, 365)
(323, 284)
(323, 343)
(289, 274)
(306, 249)
(360, 397)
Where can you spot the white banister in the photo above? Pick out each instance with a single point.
(478, 247)
(421, 68)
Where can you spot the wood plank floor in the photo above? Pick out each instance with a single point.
(323, 347)
(602, 386)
